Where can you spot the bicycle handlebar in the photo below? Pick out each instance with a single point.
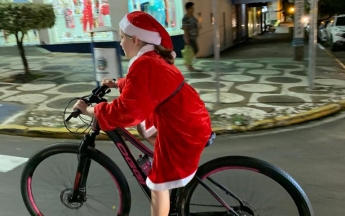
(96, 97)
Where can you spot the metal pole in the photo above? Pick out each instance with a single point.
(312, 43)
(216, 39)
(92, 47)
(298, 31)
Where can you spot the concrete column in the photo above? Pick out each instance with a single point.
(43, 34)
(298, 36)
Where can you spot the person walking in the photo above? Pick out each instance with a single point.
(191, 31)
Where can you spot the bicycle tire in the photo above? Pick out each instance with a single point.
(271, 171)
(93, 154)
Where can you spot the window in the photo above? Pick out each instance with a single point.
(31, 38)
(75, 18)
(340, 21)
(168, 13)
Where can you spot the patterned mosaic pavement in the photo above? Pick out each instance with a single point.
(254, 88)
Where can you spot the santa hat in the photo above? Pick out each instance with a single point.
(147, 29)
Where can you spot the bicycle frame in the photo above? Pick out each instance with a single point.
(116, 135)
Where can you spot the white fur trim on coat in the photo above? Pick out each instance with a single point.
(169, 185)
(142, 51)
(147, 132)
(142, 34)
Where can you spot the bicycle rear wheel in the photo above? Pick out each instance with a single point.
(110, 195)
(198, 201)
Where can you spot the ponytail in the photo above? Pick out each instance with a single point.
(165, 54)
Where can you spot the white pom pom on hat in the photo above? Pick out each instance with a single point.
(147, 29)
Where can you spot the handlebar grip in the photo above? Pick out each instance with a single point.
(74, 114)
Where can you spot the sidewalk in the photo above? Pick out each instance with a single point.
(261, 87)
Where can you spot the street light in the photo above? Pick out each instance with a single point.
(292, 9)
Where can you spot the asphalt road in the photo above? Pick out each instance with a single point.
(340, 54)
(313, 155)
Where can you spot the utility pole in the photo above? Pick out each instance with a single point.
(312, 42)
(216, 42)
(298, 36)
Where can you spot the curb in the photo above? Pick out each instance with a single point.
(280, 121)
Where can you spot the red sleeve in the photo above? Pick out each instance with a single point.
(121, 83)
(134, 104)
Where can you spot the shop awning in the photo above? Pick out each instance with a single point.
(251, 1)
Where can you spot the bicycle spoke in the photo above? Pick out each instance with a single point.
(248, 186)
(51, 195)
(227, 191)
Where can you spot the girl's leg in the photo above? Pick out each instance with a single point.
(151, 139)
(160, 203)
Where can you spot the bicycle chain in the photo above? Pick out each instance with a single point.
(207, 205)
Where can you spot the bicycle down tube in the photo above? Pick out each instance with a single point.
(129, 158)
(140, 176)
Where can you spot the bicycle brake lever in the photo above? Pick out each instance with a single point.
(74, 114)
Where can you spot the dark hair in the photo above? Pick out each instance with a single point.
(165, 54)
(189, 5)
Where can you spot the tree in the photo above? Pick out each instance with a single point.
(329, 8)
(19, 18)
(287, 6)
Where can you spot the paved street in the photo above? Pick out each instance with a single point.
(259, 80)
(314, 156)
(340, 54)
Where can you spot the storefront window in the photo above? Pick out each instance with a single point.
(168, 13)
(75, 18)
(31, 38)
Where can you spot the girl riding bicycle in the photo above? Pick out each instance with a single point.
(168, 112)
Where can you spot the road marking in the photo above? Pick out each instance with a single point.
(320, 46)
(8, 163)
(290, 128)
(335, 58)
(13, 118)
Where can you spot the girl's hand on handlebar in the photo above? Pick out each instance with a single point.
(84, 108)
(109, 82)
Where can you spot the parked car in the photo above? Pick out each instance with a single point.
(321, 30)
(322, 33)
(335, 30)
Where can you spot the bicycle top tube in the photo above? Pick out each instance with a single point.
(97, 97)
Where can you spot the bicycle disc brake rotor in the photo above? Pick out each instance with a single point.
(65, 199)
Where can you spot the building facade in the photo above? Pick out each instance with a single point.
(237, 20)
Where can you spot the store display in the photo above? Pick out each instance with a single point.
(75, 18)
(87, 18)
(167, 12)
(104, 14)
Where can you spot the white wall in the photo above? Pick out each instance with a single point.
(274, 6)
(205, 39)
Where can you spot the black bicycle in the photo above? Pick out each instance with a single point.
(209, 192)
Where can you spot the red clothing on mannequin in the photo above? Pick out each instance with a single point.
(69, 19)
(87, 15)
(104, 9)
(183, 122)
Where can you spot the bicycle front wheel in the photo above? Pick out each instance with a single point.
(248, 186)
(48, 178)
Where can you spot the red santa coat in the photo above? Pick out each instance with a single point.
(183, 122)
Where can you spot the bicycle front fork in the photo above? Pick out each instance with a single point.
(79, 187)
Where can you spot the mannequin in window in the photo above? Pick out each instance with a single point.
(69, 20)
(154, 8)
(87, 15)
(104, 13)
